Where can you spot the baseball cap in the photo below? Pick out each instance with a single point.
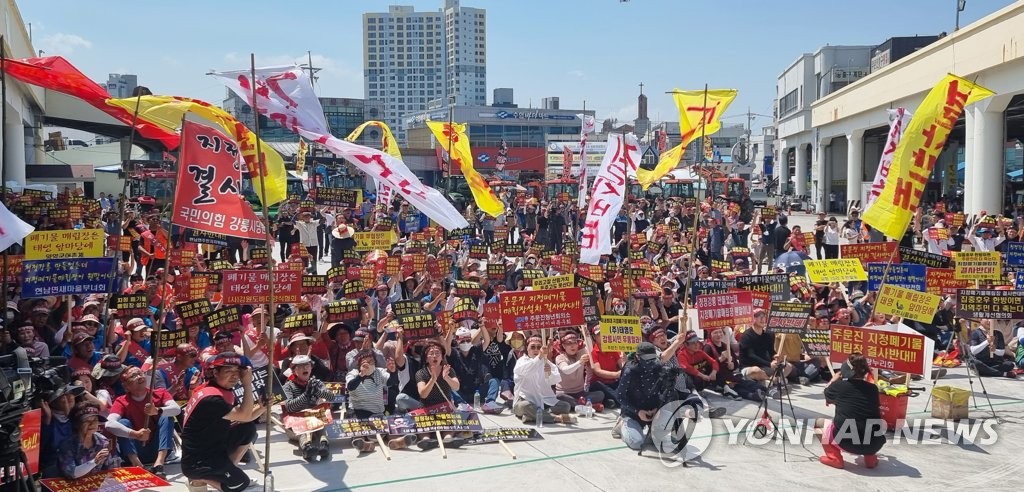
(298, 337)
(692, 337)
(360, 335)
(646, 351)
(81, 337)
(85, 411)
(223, 359)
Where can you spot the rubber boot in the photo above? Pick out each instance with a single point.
(870, 460)
(325, 449)
(833, 456)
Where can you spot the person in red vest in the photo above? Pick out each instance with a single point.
(216, 433)
(153, 251)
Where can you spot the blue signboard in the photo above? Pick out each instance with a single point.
(1019, 284)
(1014, 253)
(906, 275)
(67, 276)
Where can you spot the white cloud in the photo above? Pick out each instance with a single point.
(578, 74)
(63, 44)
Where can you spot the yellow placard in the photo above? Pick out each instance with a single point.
(828, 271)
(67, 243)
(369, 241)
(559, 282)
(620, 333)
(906, 303)
(977, 265)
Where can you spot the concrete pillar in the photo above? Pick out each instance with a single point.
(14, 131)
(782, 170)
(988, 172)
(801, 170)
(855, 167)
(969, 158)
(820, 176)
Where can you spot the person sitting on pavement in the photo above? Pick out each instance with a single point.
(300, 344)
(471, 368)
(757, 354)
(717, 349)
(517, 342)
(436, 383)
(88, 450)
(646, 385)
(303, 391)
(702, 368)
(990, 355)
(365, 385)
(857, 410)
(145, 429)
(534, 377)
(574, 370)
(180, 375)
(56, 425)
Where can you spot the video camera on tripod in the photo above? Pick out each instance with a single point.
(21, 379)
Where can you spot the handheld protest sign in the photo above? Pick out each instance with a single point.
(465, 309)
(342, 310)
(536, 310)
(130, 306)
(227, 318)
(831, 271)
(715, 311)
(906, 303)
(620, 333)
(314, 285)
(304, 322)
(466, 288)
(789, 317)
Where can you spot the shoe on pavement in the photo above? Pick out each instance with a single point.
(936, 374)
(402, 442)
(157, 470)
(309, 452)
(728, 391)
(870, 460)
(805, 381)
(324, 450)
(465, 407)
(617, 429)
(775, 393)
(453, 442)
(716, 412)
(492, 408)
(427, 444)
(364, 445)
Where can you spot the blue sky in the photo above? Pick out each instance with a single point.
(593, 50)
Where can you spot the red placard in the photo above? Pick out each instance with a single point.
(758, 299)
(870, 252)
(537, 310)
(884, 350)
(492, 315)
(14, 267)
(121, 479)
(716, 311)
(253, 286)
(31, 428)
(207, 195)
(943, 281)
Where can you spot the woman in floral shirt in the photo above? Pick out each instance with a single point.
(88, 450)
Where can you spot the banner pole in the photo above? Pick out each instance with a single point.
(3, 154)
(692, 264)
(269, 316)
(885, 275)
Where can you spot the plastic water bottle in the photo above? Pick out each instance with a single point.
(476, 401)
(590, 409)
(540, 417)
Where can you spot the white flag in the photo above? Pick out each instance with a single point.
(607, 195)
(12, 229)
(900, 117)
(589, 124)
(586, 128)
(285, 95)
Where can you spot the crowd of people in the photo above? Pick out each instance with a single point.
(127, 394)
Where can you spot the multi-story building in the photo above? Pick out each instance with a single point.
(120, 85)
(411, 58)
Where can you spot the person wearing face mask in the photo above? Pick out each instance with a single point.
(517, 346)
(616, 306)
(471, 367)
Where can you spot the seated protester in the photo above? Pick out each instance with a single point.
(494, 352)
(141, 443)
(517, 344)
(299, 344)
(334, 347)
(436, 383)
(467, 359)
(534, 377)
(807, 369)
(363, 341)
(25, 336)
(107, 375)
(303, 391)
(97, 397)
(408, 362)
(216, 433)
(179, 375)
(717, 349)
(223, 341)
(606, 367)
(56, 426)
(666, 351)
(757, 354)
(857, 410)
(87, 450)
(137, 339)
(989, 351)
(862, 307)
(702, 368)
(646, 385)
(365, 384)
(574, 369)
(83, 352)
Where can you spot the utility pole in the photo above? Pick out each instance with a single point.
(960, 6)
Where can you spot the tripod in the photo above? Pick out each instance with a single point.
(764, 419)
(971, 362)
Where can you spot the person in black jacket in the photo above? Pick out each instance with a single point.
(646, 385)
(857, 426)
(342, 239)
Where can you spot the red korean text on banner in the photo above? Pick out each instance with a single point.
(121, 479)
(870, 252)
(537, 310)
(716, 311)
(253, 286)
(31, 435)
(892, 351)
(209, 185)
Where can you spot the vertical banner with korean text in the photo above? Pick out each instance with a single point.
(607, 195)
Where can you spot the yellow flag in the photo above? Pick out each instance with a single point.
(387, 141)
(167, 111)
(485, 198)
(696, 118)
(300, 159)
(915, 155)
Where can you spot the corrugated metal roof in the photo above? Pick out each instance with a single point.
(286, 149)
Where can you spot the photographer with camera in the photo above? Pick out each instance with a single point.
(857, 408)
(142, 421)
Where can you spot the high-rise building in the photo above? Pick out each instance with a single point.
(121, 85)
(412, 58)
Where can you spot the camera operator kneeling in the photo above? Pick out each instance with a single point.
(857, 427)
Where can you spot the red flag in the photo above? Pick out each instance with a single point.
(566, 162)
(57, 74)
(207, 197)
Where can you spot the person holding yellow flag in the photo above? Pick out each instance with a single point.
(460, 152)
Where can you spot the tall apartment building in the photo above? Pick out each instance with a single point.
(121, 85)
(412, 58)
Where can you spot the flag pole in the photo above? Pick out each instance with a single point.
(3, 153)
(692, 264)
(272, 345)
(627, 261)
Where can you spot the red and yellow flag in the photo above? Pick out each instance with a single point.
(919, 148)
(461, 153)
(388, 144)
(700, 113)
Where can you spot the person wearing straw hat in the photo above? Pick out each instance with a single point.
(87, 450)
(303, 391)
(144, 429)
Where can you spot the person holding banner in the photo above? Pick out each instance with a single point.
(854, 428)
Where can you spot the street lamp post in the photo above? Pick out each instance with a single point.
(451, 118)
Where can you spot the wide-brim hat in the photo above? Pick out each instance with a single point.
(343, 232)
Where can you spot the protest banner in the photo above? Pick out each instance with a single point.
(342, 310)
(259, 386)
(911, 255)
(478, 251)
(369, 241)
(870, 252)
(817, 342)
(955, 219)
(1014, 252)
(314, 285)
(893, 351)
(170, 339)
(227, 318)
(131, 306)
(645, 288)
(907, 275)
(308, 420)
(465, 309)
(64, 243)
(203, 237)
(419, 326)
(57, 277)
(977, 265)
(716, 311)
(776, 285)
(128, 479)
(405, 308)
(838, 270)
(460, 233)
(31, 437)
(505, 434)
(536, 310)
(514, 250)
(336, 197)
(906, 303)
(193, 313)
(990, 304)
(496, 272)
(620, 333)
(121, 244)
(253, 286)
(371, 426)
(590, 294)
(467, 288)
(492, 315)
(531, 274)
(559, 282)
(789, 317)
(337, 274)
(392, 266)
(432, 422)
(300, 322)
(367, 275)
(701, 287)
(593, 272)
(943, 282)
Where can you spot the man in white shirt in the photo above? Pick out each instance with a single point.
(932, 235)
(534, 376)
(308, 238)
(983, 240)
